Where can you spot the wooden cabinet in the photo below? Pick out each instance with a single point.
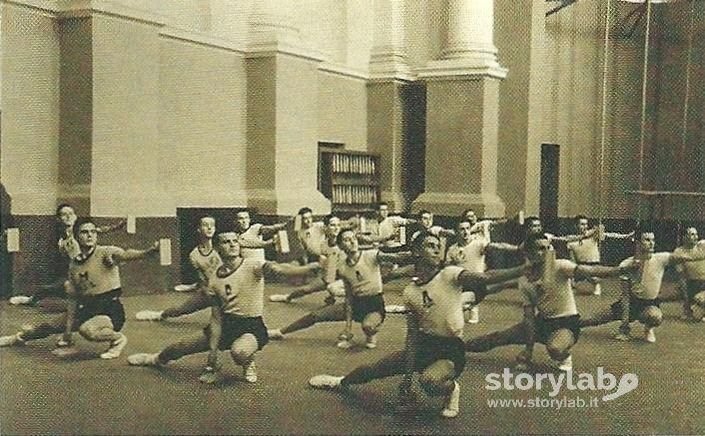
(349, 179)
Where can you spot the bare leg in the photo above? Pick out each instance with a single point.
(514, 335)
(335, 312)
(390, 365)
(196, 302)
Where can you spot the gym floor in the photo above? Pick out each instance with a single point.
(42, 394)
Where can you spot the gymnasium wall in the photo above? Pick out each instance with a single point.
(671, 54)
(520, 40)
(575, 47)
(30, 110)
(342, 110)
(125, 113)
(202, 125)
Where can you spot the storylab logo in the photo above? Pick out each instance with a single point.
(605, 384)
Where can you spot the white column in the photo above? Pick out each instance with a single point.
(388, 56)
(271, 27)
(469, 47)
(470, 30)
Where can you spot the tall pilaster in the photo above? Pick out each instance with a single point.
(387, 113)
(282, 122)
(462, 115)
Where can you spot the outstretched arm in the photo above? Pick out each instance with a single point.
(398, 258)
(289, 270)
(254, 243)
(615, 235)
(503, 246)
(575, 238)
(268, 231)
(130, 254)
(468, 280)
(371, 239)
(587, 271)
(694, 256)
(112, 227)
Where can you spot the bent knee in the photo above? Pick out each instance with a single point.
(557, 352)
(371, 323)
(652, 316)
(94, 328)
(559, 344)
(437, 378)
(244, 348)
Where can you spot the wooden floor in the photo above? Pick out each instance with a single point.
(41, 394)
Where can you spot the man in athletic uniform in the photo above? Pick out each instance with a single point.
(237, 292)
(469, 253)
(94, 306)
(329, 253)
(434, 346)
(312, 235)
(205, 260)
(255, 232)
(640, 300)
(384, 231)
(362, 276)
(68, 249)
(587, 251)
(550, 313)
(692, 276)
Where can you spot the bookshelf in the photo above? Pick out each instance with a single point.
(349, 179)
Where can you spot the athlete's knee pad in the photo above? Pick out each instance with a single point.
(699, 299)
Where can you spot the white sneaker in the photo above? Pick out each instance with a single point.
(453, 406)
(250, 372)
(650, 335)
(19, 300)
(597, 290)
(149, 315)
(186, 287)
(344, 344)
(115, 348)
(279, 298)
(566, 364)
(10, 340)
(371, 341)
(395, 308)
(64, 352)
(325, 381)
(143, 359)
(275, 334)
(474, 315)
